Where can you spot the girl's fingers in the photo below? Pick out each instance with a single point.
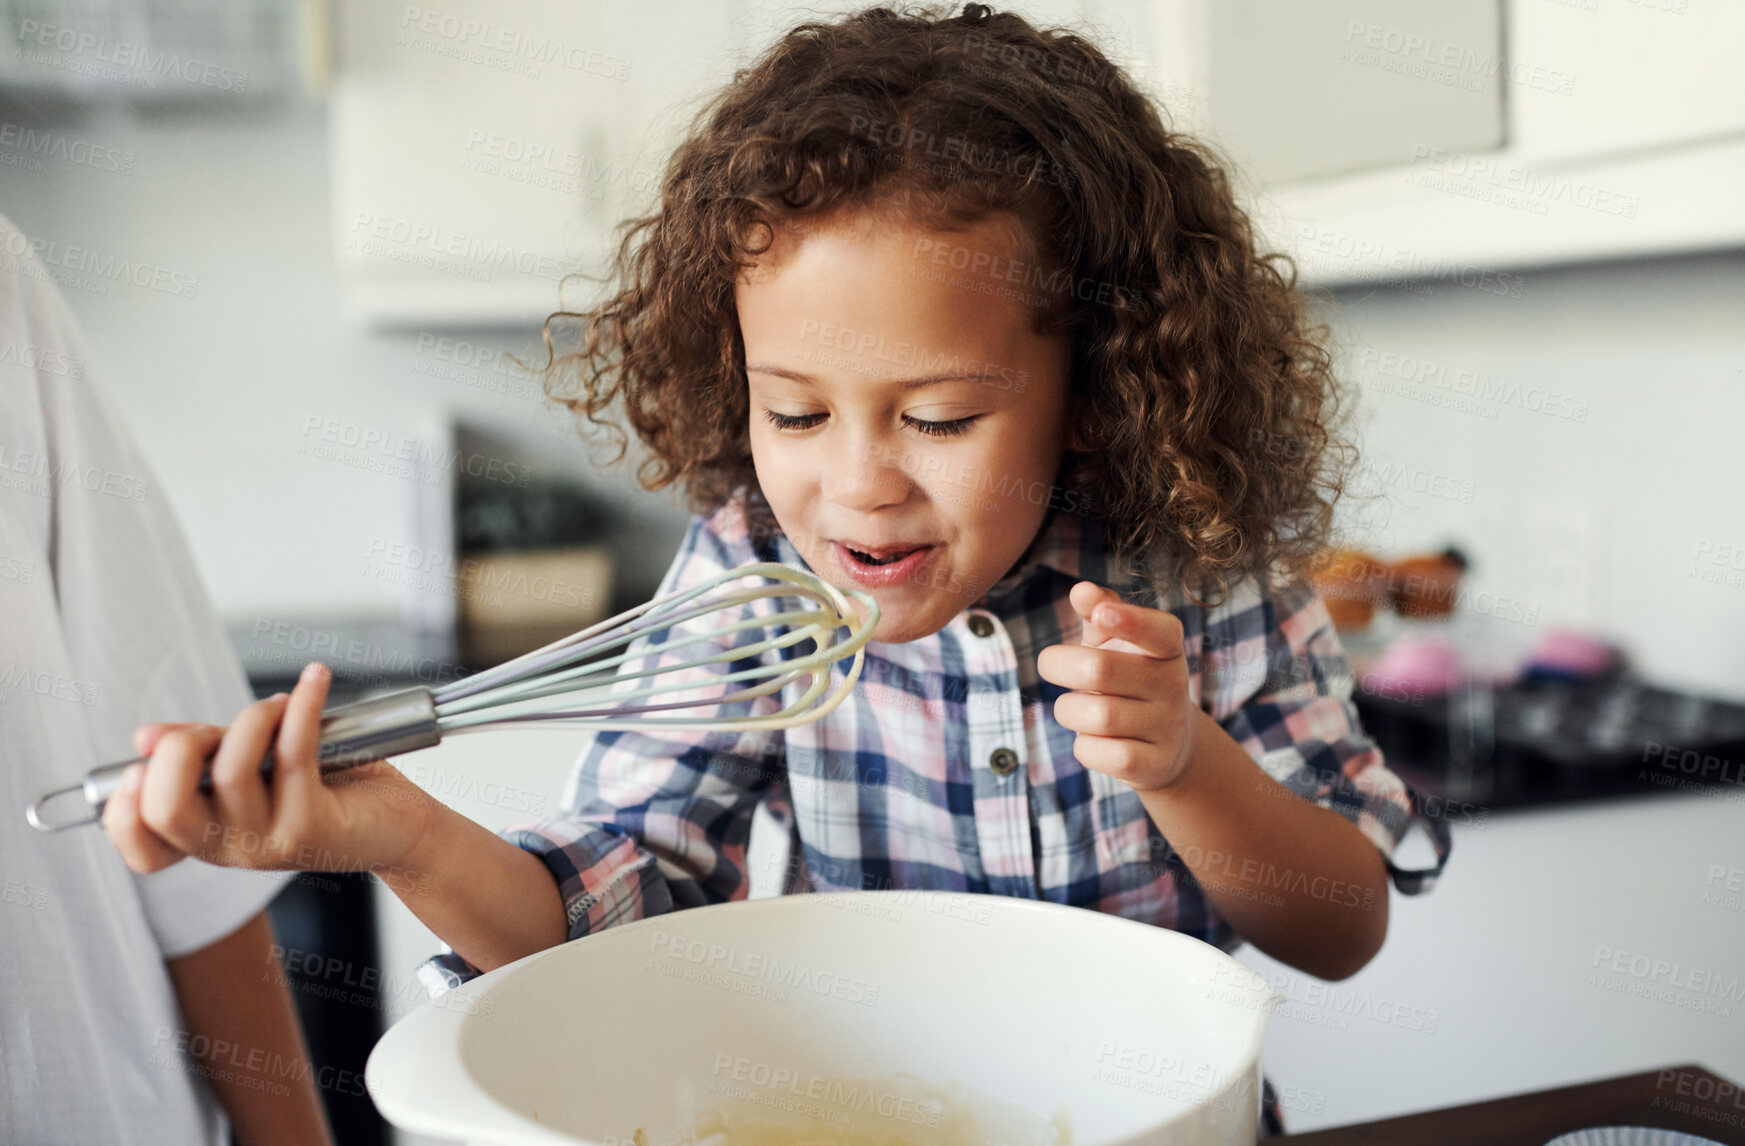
(1095, 714)
(1111, 623)
(1117, 757)
(238, 790)
(1084, 598)
(1107, 670)
(170, 800)
(297, 772)
(146, 736)
(142, 849)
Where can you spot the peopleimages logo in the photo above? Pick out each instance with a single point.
(1444, 61)
(508, 48)
(42, 682)
(54, 362)
(765, 968)
(1534, 188)
(828, 1098)
(1417, 370)
(1326, 247)
(824, 336)
(99, 268)
(34, 474)
(1701, 989)
(53, 145)
(82, 51)
(429, 244)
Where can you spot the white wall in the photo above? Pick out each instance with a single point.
(1599, 518)
(221, 388)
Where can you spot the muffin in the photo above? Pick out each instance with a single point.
(1427, 584)
(1352, 583)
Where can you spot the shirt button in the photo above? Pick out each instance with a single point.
(1004, 761)
(980, 625)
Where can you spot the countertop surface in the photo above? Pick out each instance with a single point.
(1688, 1099)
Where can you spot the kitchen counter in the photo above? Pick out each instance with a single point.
(1687, 1098)
(1563, 943)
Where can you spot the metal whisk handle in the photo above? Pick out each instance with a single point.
(352, 734)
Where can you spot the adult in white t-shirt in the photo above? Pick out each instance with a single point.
(131, 1006)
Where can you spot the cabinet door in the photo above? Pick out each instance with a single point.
(468, 155)
(682, 52)
(1632, 75)
(1624, 136)
(1316, 88)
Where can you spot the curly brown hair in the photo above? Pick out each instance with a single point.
(1209, 401)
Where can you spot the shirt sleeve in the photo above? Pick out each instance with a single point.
(658, 821)
(138, 627)
(1275, 676)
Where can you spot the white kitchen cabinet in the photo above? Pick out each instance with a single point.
(1293, 90)
(469, 156)
(482, 150)
(1624, 136)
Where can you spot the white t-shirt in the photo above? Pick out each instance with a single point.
(104, 626)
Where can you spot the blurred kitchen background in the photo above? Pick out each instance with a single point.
(312, 245)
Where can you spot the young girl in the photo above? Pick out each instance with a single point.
(938, 308)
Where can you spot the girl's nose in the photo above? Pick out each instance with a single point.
(865, 476)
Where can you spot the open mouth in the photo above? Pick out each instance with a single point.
(888, 559)
(881, 568)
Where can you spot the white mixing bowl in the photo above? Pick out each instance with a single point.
(1144, 1034)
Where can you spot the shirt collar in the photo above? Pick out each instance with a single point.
(1068, 546)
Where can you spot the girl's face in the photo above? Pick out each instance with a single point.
(898, 403)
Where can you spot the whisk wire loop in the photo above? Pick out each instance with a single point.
(548, 686)
(572, 679)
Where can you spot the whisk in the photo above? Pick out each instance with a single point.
(562, 684)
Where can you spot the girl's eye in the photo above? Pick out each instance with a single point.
(792, 421)
(943, 429)
(933, 429)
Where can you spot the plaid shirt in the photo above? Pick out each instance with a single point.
(897, 787)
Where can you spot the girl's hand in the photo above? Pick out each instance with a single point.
(363, 819)
(1132, 711)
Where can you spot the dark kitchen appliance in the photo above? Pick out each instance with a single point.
(1544, 741)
